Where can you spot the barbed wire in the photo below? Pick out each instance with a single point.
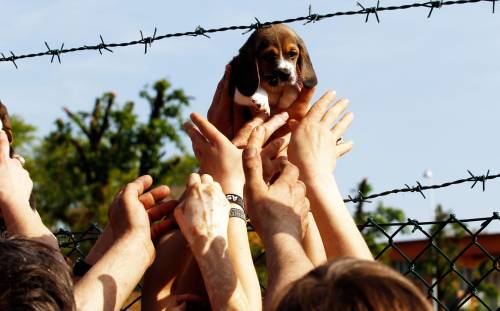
(419, 188)
(311, 17)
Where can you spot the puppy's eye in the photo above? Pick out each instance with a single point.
(270, 56)
(292, 54)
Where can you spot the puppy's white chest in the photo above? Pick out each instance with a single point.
(262, 101)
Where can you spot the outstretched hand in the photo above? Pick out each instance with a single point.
(316, 141)
(279, 207)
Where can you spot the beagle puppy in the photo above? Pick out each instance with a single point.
(271, 69)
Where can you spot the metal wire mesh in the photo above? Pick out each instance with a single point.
(449, 260)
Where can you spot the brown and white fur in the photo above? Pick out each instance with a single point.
(271, 69)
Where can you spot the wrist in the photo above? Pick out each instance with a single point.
(233, 186)
(320, 179)
(137, 245)
(202, 244)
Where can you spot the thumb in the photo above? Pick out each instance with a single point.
(252, 166)
(293, 124)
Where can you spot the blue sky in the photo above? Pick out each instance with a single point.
(424, 91)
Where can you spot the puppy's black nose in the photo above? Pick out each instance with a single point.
(284, 74)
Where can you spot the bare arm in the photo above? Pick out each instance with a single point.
(203, 219)
(313, 244)
(279, 214)
(126, 250)
(314, 148)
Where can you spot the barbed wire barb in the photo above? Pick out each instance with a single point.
(200, 31)
(10, 59)
(311, 17)
(434, 4)
(148, 40)
(368, 11)
(103, 46)
(54, 53)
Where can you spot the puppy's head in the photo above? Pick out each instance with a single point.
(272, 57)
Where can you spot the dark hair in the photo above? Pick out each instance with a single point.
(33, 278)
(354, 285)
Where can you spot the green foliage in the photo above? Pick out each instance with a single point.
(24, 135)
(91, 154)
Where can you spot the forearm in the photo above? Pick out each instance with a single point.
(108, 284)
(240, 255)
(286, 262)
(338, 230)
(172, 255)
(313, 244)
(20, 219)
(222, 284)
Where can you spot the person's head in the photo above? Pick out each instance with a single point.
(32, 277)
(354, 285)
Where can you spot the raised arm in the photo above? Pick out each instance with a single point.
(314, 147)
(117, 271)
(279, 215)
(203, 219)
(220, 158)
(15, 190)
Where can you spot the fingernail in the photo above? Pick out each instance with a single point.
(249, 153)
(284, 115)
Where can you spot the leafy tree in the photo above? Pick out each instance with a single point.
(24, 137)
(83, 162)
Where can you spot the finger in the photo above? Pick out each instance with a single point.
(160, 229)
(341, 127)
(220, 113)
(271, 150)
(257, 138)
(138, 186)
(301, 105)
(193, 179)
(299, 191)
(293, 124)
(188, 297)
(207, 129)
(206, 179)
(318, 110)
(197, 139)
(344, 148)
(19, 158)
(241, 138)
(150, 198)
(289, 173)
(252, 167)
(161, 209)
(4, 146)
(273, 124)
(334, 112)
(225, 99)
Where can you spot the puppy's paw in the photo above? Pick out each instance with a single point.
(261, 103)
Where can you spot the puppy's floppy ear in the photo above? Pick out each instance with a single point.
(244, 68)
(305, 66)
